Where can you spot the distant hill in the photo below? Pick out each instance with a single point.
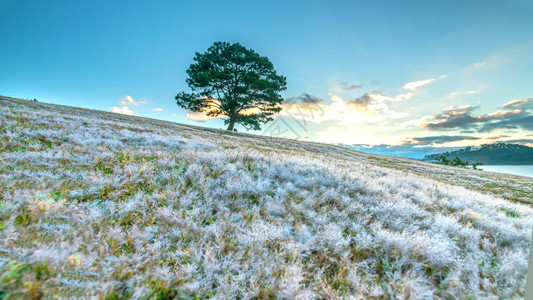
(492, 154)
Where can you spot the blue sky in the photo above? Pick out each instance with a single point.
(402, 73)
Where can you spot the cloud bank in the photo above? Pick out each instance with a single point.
(439, 139)
(515, 115)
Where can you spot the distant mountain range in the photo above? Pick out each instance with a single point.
(491, 154)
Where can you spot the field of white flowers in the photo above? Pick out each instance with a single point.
(94, 204)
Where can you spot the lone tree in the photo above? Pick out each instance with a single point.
(235, 82)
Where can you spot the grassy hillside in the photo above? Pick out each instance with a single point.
(94, 204)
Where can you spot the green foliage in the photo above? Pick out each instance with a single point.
(476, 165)
(235, 82)
(510, 212)
(456, 161)
(23, 281)
(443, 159)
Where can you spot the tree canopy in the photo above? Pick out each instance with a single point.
(232, 81)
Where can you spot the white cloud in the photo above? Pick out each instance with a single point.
(477, 64)
(335, 98)
(124, 103)
(458, 93)
(198, 116)
(128, 100)
(123, 110)
(413, 85)
(520, 104)
(157, 109)
(400, 97)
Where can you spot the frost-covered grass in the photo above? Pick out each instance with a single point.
(94, 204)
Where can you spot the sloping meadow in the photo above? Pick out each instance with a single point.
(94, 204)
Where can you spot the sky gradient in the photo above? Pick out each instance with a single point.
(412, 74)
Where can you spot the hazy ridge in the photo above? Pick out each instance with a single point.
(492, 154)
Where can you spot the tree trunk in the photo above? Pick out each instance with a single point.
(231, 125)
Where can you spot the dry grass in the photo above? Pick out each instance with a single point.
(94, 204)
